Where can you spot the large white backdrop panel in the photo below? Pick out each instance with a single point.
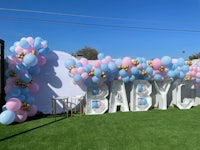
(54, 81)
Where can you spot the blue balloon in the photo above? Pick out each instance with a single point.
(132, 78)
(181, 75)
(181, 61)
(118, 62)
(123, 73)
(185, 68)
(95, 90)
(30, 100)
(37, 43)
(166, 61)
(112, 66)
(139, 88)
(7, 117)
(100, 56)
(24, 44)
(30, 60)
(95, 104)
(104, 67)
(197, 80)
(87, 82)
(157, 77)
(4, 108)
(78, 78)
(144, 66)
(143, 101)
(15, 92)
(125, 79)
(171, 74)
(43, 50)
(69, 63)
(149, 70)
(95, 79)
(12, 49)
(26, 78)
(97, 72)
(79, 64)
(134, 70)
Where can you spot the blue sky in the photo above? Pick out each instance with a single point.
(110, 39)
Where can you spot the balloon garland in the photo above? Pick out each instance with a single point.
(127, 69)
(24, 62)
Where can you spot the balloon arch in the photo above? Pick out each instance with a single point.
(29, 54)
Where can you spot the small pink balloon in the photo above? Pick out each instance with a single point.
(13, 104)
(139, 66)
(18, 49)
(198, 74)
(30, 40)
(33, 110)
(84, 61)
(84, 75)
(127, 61)
(104, 61)
(20, 116)
(33, 87)
(156, 63)
(74, 71)
(96, 63)
(108, 58)
(80, 70)
(174, 60)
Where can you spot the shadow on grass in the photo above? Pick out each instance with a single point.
(40, 126)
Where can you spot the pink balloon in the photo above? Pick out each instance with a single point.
(13, 104)
(84, 75)
(18, 49)
(174, 60)
(80, 70)
(198, 74)
(74, 71)
(104, 61)
(30, 40)
(33, 87)
(156, 63)
(96, 63)
(108, 58)
(21, 116)
(139, 66)
(33, 110)
(84, 61)
(127, 61)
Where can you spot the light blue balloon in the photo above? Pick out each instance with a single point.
(112, 66)
(125, 79)
(26, 78)
(37, 42)
(30, 60)
(157, 77)
(149, 70)
(197, 80)
(43, 50)
(78, 78)
(100, 56)
(139, 88)
(95, 79)
(104, 67)
(94, 104)
(118, 62)
(15, 92)
(185, 68)
(166, 61)
(123, 73)
(12, 49)
(69, 63)
(171, 74)
(134, 70)
(143, 101)
(181, 75)
(24, 44)
(97, 72)
(95, 90)
(132, 78)
(7, 117)
(181, 61)
(4, 108)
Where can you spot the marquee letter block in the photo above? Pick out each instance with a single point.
(140, 96)
(162, 88)
(182, 102)
(96, 102)
(118, 97)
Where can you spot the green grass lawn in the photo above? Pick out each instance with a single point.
(171, 129)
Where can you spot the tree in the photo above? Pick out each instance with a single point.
(87, 52)
(194, 56)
